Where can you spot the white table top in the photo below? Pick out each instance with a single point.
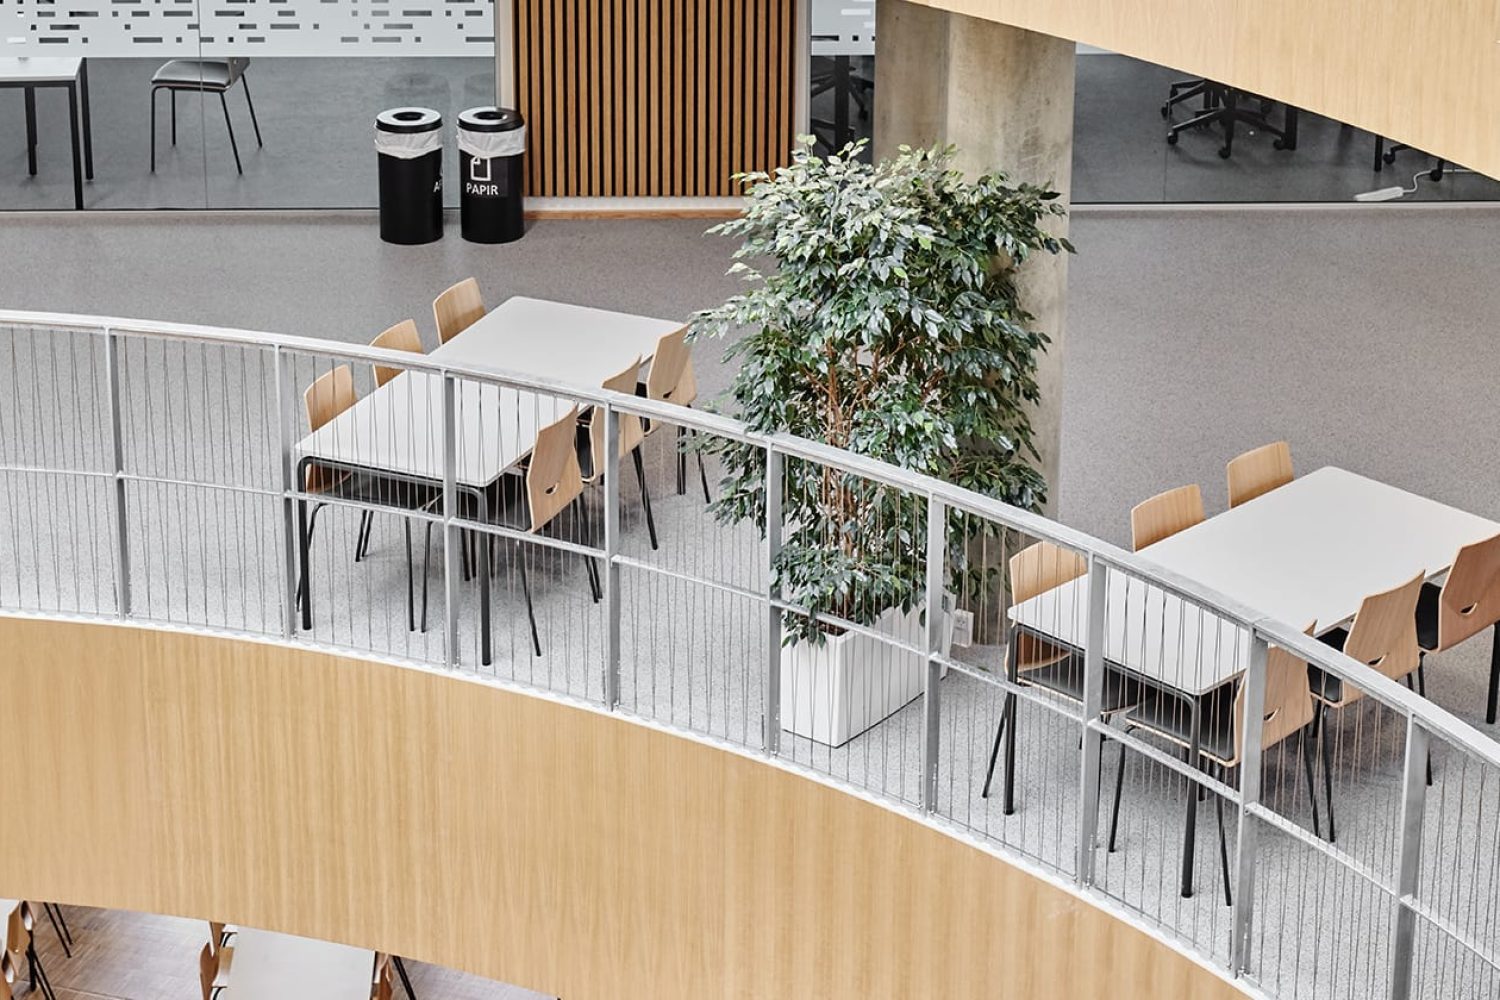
(1309, 551)
(269, 966)
(39, 69)
(398, 427)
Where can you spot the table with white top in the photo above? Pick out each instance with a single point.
(396, 432)
(70, 73)
(1306, 552)
(270, 966)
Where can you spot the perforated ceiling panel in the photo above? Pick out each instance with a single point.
(109, 28)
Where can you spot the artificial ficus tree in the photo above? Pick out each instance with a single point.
(883, 318)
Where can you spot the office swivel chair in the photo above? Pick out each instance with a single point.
(1384, 156)
(1222, 106)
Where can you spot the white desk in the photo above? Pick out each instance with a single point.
(72, 74)
(269, 966)
(1309, 551)
(398, 429)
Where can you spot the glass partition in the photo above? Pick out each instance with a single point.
(841, 81)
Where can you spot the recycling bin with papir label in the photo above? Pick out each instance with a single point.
(409, 142)
(491, 151)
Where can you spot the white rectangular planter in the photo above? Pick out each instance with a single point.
(833, 692)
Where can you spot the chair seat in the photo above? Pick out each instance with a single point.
(1065, 677)
(1427, 616)
(1169, 715)
(199, 74)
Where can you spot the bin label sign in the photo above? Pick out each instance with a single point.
(480, 182)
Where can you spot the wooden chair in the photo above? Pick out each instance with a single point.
(1383, 636)
(7, 977)
(1288, 711)
(20, 947)
(209, 977)
(401, 337)
(457, 308)
(1033, 660)
(553, 482)
(632, 434)
(1466, 604)
(1259, 471)
(671, 379)
(331, 394)
(1165, 514)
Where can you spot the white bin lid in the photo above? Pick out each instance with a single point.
(408, 120)
(490, 120)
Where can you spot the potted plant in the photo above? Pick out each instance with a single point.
(882, 318)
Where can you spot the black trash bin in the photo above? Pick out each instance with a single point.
(491, 149)
(410, 144)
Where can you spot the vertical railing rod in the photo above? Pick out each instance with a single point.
(1408, 871)
(286, 434)
(771, 706)
(1252, 728)
(1093, 702)
(450, 513)
(117, 445)
(611, 550)
(937, 551)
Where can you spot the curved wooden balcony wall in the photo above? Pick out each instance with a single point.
(1427, 74)
(505, 834)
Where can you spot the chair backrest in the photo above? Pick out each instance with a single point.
(331, 394)
(1259, 471)
(401, 337)
(1384, 633)
(7, 977)
(208, 971)
(1165, 514)
(457, 308)
(1039, 568)
(553, 477)
(671, 376)
(215, 935)
(1288, 704)
(631, 432)
(17, 934)
(1470, 601)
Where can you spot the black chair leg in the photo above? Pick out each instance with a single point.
(224, 103)
(312, 524)
(681, 461)
(1312, 788)
(405, 979)
(989, 774)
(251, 104)
(595, 590)
(640, 475)
(1494, 702)
(536, 638)
(362, 537)
(1114, 818)
(426, 566)
(173, 92)
(60, 926)
(1223, 849)
(411, 590)
(1322, 724)
(1422, 690)
(1379, 153)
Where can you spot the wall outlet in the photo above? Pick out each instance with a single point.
(963, 628)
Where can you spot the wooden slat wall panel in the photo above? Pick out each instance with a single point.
(633, 98)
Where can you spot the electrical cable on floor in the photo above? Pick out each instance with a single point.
(1393, 192)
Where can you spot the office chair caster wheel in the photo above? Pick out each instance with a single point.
(1171, 138)
(1389, 157)
(1278, 144)
(1166, 109)
(1223, 152)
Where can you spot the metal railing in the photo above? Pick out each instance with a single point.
(151, 472)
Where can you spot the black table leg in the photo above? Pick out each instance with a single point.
(485, 555)
(30, 95)
(1190, 829)
(1013, 672)
(88, 121)
(842, 132)
(1289, 128)
(73, 134)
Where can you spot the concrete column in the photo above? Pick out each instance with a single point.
(1004, 97)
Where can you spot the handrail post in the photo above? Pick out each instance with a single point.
(771, 707)
(1413, 810)
(117, 446)
(451, 546)
(1093, 702)
(1252, 728)
(937, 551)
(286, 433)
(611, 549)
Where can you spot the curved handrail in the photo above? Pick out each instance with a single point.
(1425, 721)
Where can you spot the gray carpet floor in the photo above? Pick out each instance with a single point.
(1348, 353)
